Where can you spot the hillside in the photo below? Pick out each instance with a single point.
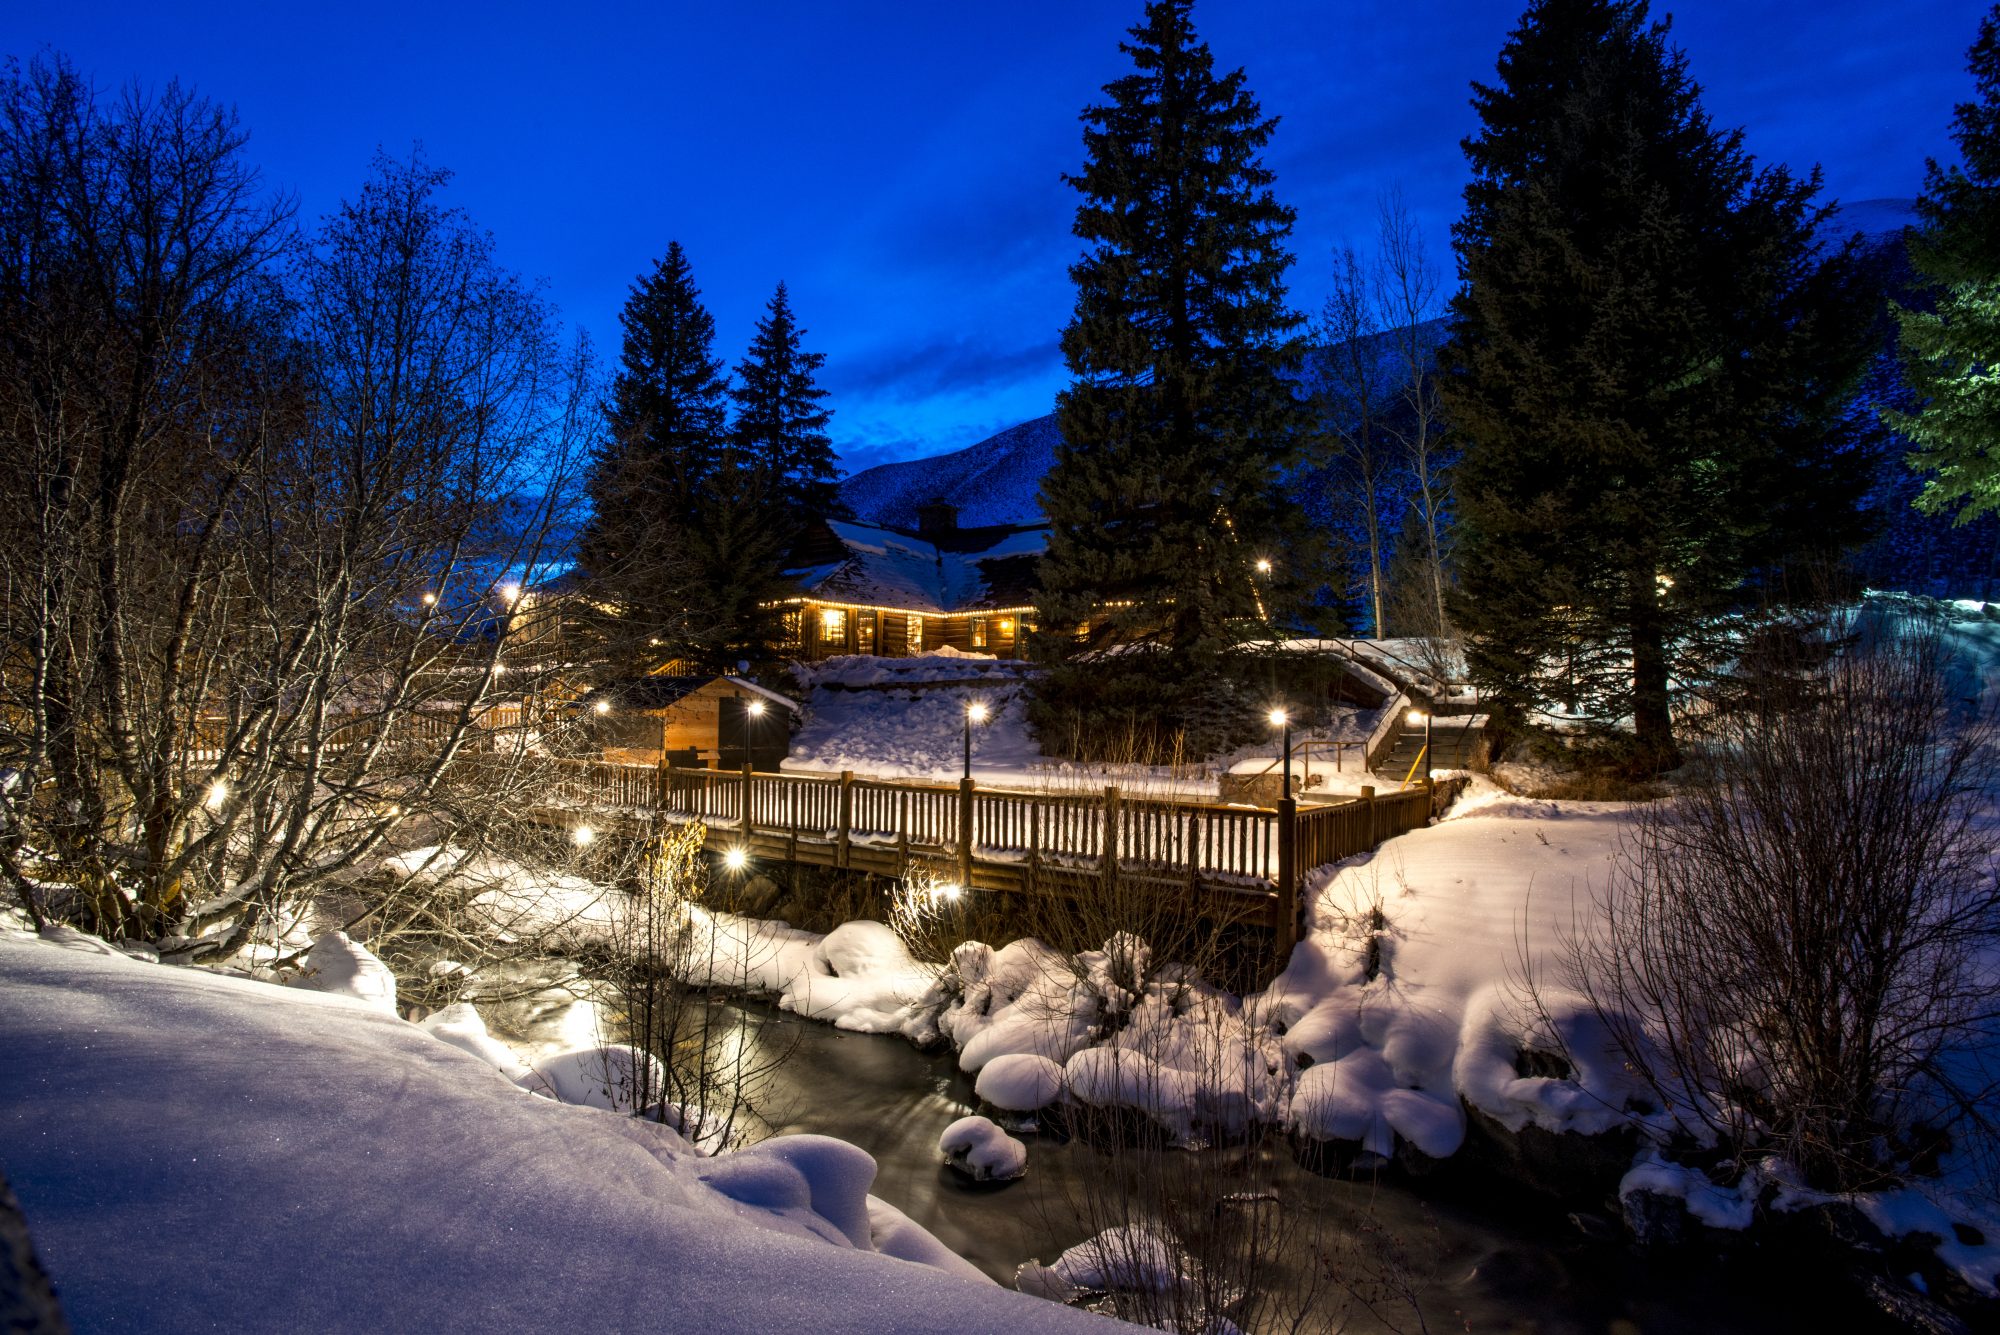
(993, 482)
(997, 480)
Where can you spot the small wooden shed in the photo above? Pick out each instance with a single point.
(717, 721)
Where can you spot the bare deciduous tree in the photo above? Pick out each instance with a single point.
(270, 501)
(1798, 955)
(1407, 296)
(1349, 396)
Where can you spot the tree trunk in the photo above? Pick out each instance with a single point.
(1652, 714)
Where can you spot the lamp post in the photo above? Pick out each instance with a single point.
(753, 714)
(974, 713)
(1283, 721)
(1417, 716)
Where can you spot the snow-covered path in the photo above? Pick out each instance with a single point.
(196, 1152)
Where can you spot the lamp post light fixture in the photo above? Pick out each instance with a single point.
(1417, 716)
(582, 835)
(602, 707)
(1283, 721)
(974, 713)
(736, 859)
(1263, 565)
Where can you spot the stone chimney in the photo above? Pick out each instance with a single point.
(937, 518)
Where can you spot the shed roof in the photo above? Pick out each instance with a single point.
(663, 692)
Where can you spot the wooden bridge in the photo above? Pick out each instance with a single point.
(1232, 863)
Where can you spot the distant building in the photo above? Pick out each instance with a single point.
(872, 589)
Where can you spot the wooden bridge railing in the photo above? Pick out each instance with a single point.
(1250, 848)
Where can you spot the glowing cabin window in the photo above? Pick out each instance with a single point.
(833, 625)
(916, 637)
(979, 632)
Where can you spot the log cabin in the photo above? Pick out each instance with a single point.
(872, 589)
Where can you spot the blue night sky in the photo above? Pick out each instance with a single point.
(899, 164)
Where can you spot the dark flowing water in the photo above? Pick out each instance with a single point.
(1487, 1257)
(1483, 1256)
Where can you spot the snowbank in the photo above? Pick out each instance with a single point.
(283, 1158)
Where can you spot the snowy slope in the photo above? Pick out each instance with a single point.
(993, 482)
(998, 480)
(196, 1152)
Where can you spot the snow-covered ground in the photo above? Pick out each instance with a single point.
(904, 718)
(201, 1152)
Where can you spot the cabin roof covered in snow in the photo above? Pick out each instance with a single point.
(956, 570)
(663, 691)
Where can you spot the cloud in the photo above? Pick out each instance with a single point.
(921, 368)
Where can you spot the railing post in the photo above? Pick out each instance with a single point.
(1368, 800)
(1194, 850)
(903, 831)
(1110, 839)
(965, 833)
(1034, 843)
(748, 823)
(842, 857)
(1287, 934)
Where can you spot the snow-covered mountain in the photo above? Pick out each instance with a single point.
(993, 482)
(997, 480)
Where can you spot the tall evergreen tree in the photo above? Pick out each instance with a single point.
(1950, 352)
(677, 551)
(1651, 369)
(780, 419)
(1180, 420)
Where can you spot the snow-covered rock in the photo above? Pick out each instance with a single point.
(1020, 1082)
(614, 1076)
(347, 968)
(1132, 1259)
(978, 1148)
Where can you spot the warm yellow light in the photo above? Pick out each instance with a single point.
(510, 594)
(1416, 716)
(218, 793)
(1263, 565)
(582, 835)
(976, 711)
(602, 706)
(756, 709)
(1279, 718)
(950, 891)
(1006, 626)
(430, 600)
(736, 859)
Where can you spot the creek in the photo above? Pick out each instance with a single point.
(1485, 1256)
